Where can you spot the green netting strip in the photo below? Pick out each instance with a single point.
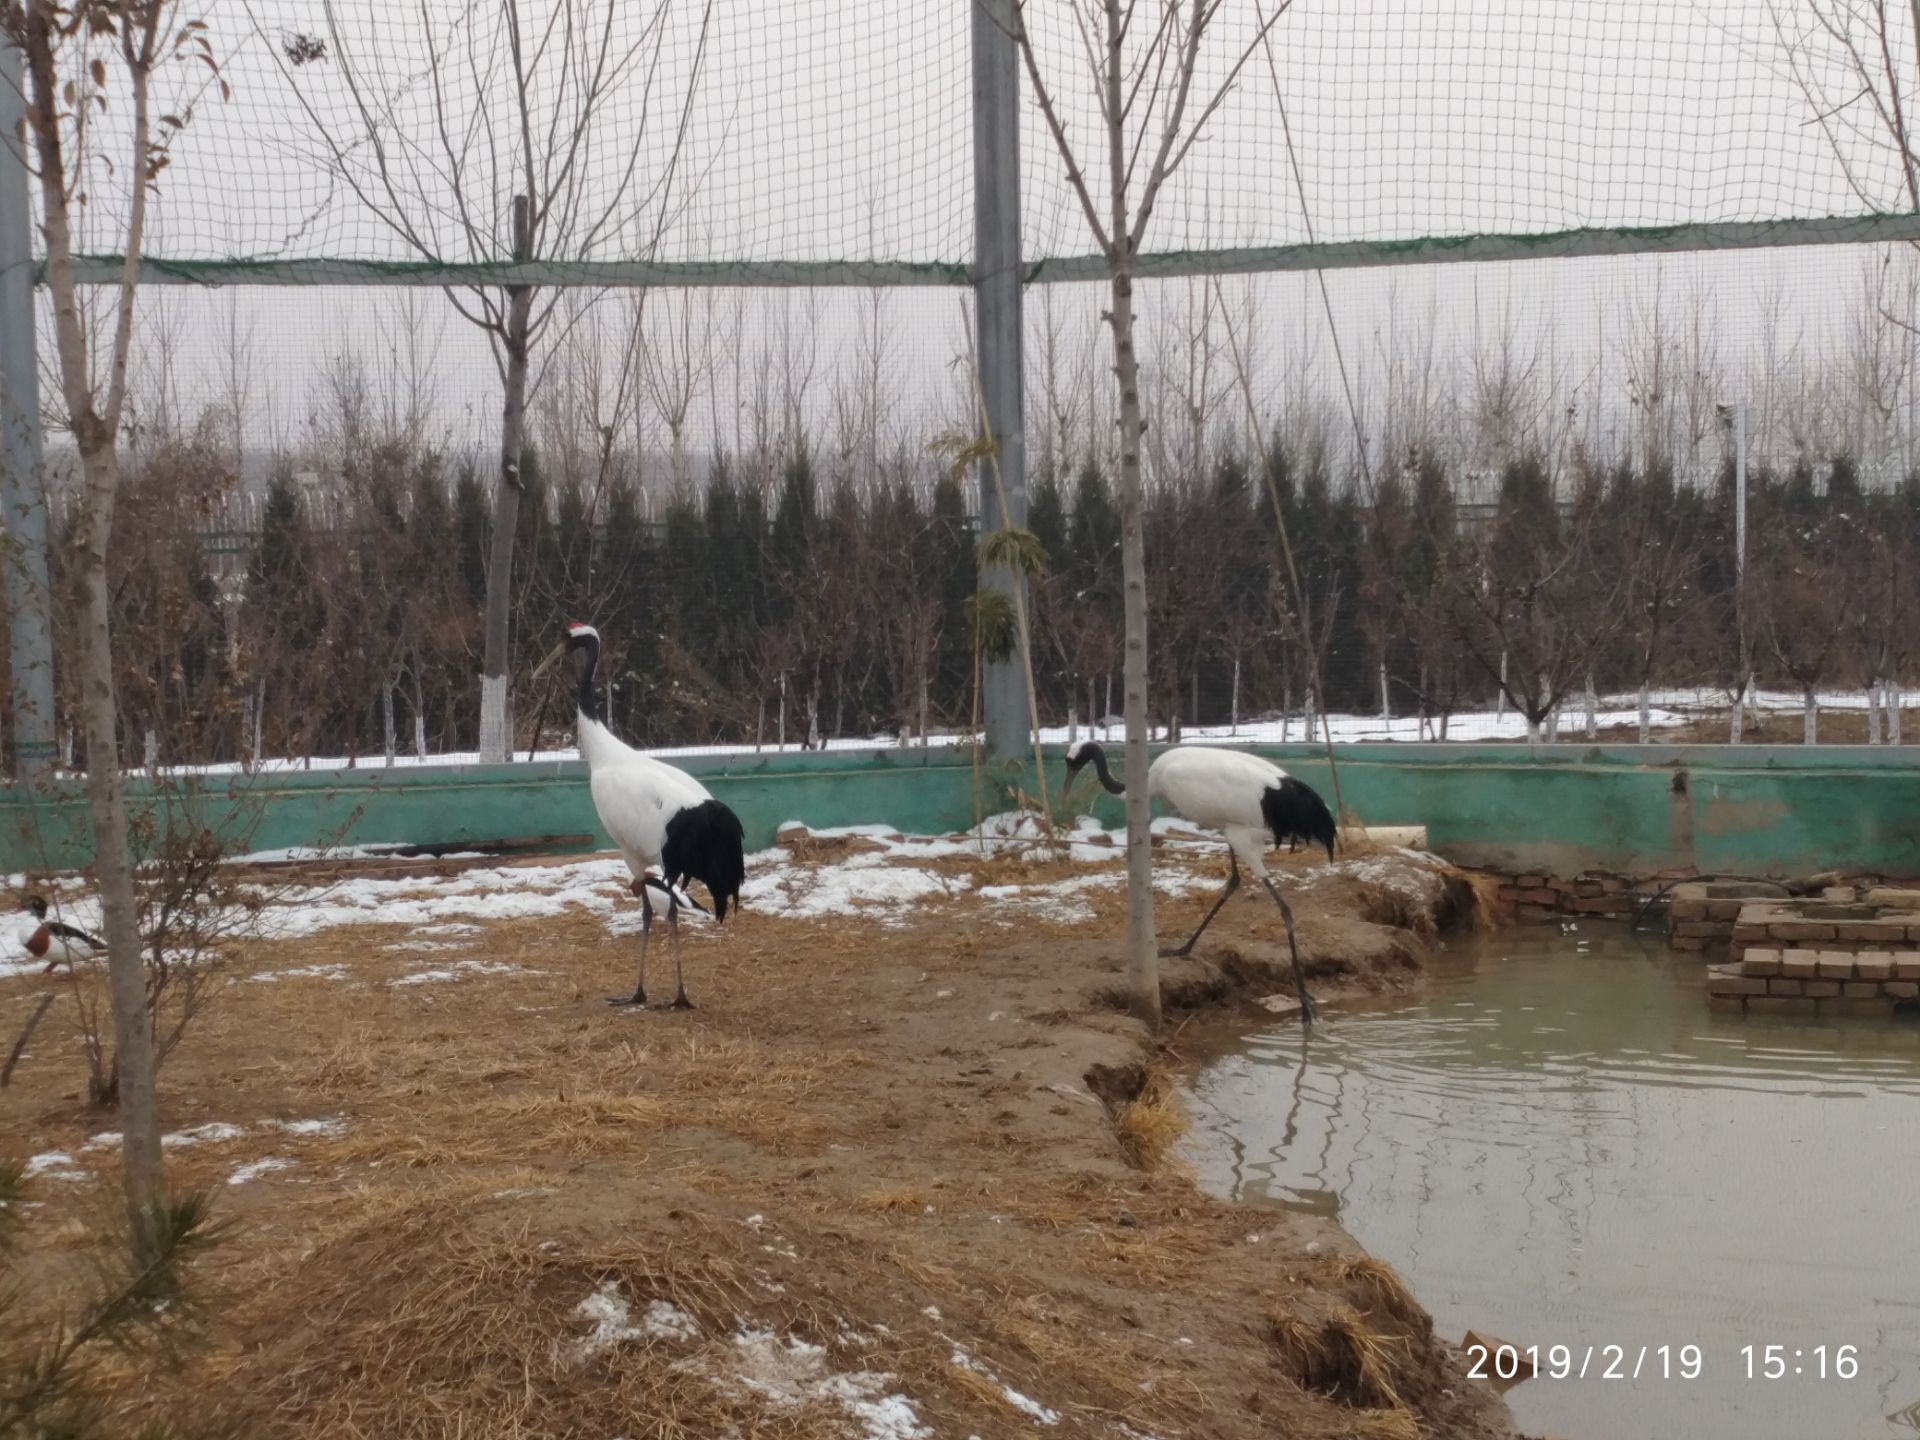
(1426, 250)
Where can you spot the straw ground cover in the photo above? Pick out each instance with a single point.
(902, 1174)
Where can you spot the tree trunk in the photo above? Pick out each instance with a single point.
(1386, 697)
(386, 720)
(1892, 700)
(1812, 716)
(759, 721)
(1143, 957)
(143, 1175)
(496, 724)
(1533, 730)
(1593, 707)
(924, 705)
(1873, 712)
(780, 718)
(419, 719)
(1234, 713)
(1646, 714)
(1734, 719)
(1500, 700)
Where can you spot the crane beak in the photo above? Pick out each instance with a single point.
(548, 663)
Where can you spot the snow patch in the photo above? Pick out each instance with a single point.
(461, 969)
(254, 1169)
(1025, 1404)
(303, 972)
(793, 1372)
(53, 1165)
(613, 1323)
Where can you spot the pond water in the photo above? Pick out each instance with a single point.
(1557, 1143)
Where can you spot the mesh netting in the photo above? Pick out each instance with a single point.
(839, 131)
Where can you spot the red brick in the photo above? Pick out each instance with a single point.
(1799, 930)
(1858, 1008)
(1760, 961)
(1906, 967)
(1750, 933)
(1823, 988)
(1802, 964)
(1688, 910)
(1782, 1005)
(1860, 989)
(1902, 989)
(1708, 928)
(1835, 966)
(1736, 985)
(1786, 987)
(1874, 965)
(1723, 909)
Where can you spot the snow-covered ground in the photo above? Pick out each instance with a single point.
(1670, 709)
(868, 874)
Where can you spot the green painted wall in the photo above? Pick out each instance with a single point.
(1751, 810)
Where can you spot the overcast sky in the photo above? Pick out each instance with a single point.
(840, 129)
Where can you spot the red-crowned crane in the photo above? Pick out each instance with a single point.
(1245, 798)
(52, 941)
(657, 815)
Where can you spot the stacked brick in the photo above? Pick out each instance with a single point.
(1799, 981)
(1533, 896)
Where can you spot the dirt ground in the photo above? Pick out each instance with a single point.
(889, 1179)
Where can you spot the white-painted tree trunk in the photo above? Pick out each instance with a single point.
(1812, 708)
(1553, 715)
(1073, 721)
(1646, 714)
(1873, 712)
(1894, 699)
(1533, 731)
(419, 735)
(386, 716)
(780, 720)
(150, 752)
(1734, 717)
(494, 739)
(1386, 698)
(1142, 948)
(1593, 710)
(1500, 700)
(1234, 714)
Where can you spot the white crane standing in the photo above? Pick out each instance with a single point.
(657, 815)
(1245, 798)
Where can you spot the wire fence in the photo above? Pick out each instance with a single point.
(1509, 488)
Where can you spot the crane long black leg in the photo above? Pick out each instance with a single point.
(680, 1001)
(1233, 884)
(639, 996)
(1307, 1011)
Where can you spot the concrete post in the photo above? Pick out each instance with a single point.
(999, 333)
(23, 491)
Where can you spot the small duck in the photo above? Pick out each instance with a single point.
(52, 940)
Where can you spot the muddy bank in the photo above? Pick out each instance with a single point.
(896, 1177)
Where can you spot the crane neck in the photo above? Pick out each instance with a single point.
(1099, 759)
(589, 706)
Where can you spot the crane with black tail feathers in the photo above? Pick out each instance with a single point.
(1247, 800)
(658, 816)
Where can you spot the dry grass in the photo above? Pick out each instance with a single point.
(510, 1145)
(1151, 1124)
(1338, 1354)
(1383, 1292)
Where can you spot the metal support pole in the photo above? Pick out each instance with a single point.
(1740, 492)
(998, 333)
(23, 490)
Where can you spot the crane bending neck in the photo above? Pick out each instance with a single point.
(1098, 757)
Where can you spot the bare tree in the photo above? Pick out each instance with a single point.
(68, 51)
(1141, 60)
(503, 160)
